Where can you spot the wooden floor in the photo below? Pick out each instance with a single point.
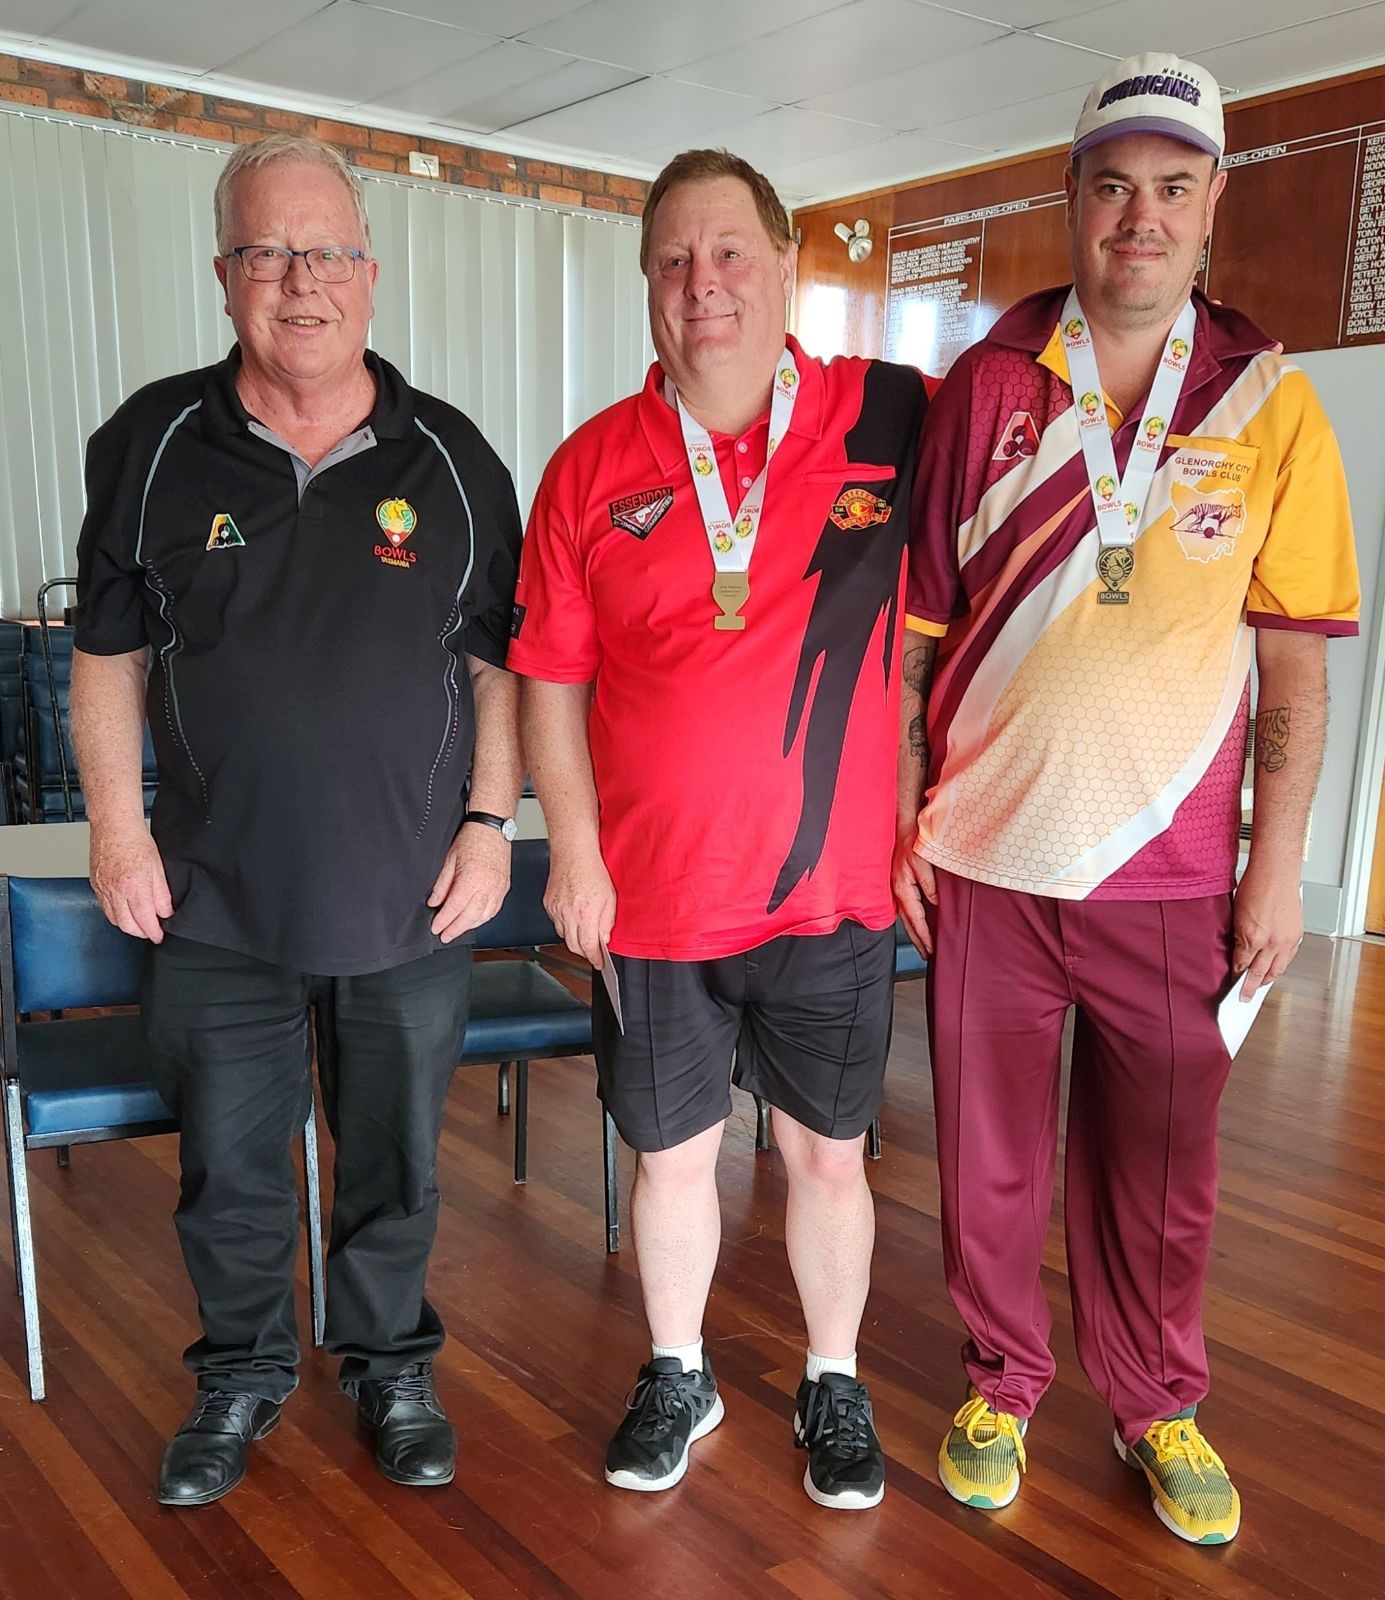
(546, 1335)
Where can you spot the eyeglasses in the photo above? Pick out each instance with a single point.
(328, 263)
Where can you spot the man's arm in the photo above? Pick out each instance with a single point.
(912, 876)
(1289, 728)
(475, 876)
(580, 898)
(107, 711)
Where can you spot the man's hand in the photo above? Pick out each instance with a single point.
(911, 879)
(581, 899)
(1268, 919)
(127, 874)
(473, 883)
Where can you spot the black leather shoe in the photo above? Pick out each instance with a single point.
(414, 1441)
(205, 1459)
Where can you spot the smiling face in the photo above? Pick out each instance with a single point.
(718, 285)
(297, 331)
(1139, 209)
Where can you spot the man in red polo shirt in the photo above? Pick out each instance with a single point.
(708, 621)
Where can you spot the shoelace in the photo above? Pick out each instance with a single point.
(1181, 1440)
(976, 1413)
(657, 1399)
(217, 1402)
(837, 1419)
(415, 1384)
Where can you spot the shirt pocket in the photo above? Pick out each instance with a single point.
(852, 472)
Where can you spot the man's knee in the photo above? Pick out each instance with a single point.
(815, 1159)
(683, 1166)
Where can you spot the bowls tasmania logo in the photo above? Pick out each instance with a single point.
(397, 519)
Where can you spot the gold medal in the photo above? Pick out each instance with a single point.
(1114, 565)
(730, 590)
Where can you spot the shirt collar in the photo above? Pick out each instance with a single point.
(659, 420)
(1223, 334)
(391, 417)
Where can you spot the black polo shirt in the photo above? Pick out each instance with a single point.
(308, 699)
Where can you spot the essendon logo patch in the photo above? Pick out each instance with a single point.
(640, 513)
(859, 508)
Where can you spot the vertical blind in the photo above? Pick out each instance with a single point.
(528, 319)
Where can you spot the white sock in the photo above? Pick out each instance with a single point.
(817, 1365)
(689, 1354)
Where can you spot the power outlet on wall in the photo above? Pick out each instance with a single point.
(421, 165)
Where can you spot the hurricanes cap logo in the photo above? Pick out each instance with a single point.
(1170, 84)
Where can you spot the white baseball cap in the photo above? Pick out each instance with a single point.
(1154, 93)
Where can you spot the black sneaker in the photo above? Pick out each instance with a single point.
(835, 1425)
(667, 1411)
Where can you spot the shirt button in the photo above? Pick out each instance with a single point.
(742, 447)
(746, 482)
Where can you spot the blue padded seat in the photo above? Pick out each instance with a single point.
(66, 955)
(86, 1074)
(519, 1011)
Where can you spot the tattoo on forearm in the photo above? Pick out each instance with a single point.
(1272, 739)
(918, 741)
(918, 665)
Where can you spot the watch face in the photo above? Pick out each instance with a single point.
(509, 828)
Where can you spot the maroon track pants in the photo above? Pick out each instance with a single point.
(1148, 1068)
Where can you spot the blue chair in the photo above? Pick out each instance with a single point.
(520, 1011)
(82, 1080)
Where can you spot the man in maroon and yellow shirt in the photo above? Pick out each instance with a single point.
(708, 620)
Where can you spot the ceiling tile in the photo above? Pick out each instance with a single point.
(502, 17)
(1019, 13)
(354, 52)
(650, 112)
(656, 37)
(992, 75)
(779, 138)
(1026, 125)
(32, 19)
(507, 83)
(894, 160)
(196, 37)
(1334, 44)
(1188, 27)
(839, 48)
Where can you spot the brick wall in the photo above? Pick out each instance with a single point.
(206, 116)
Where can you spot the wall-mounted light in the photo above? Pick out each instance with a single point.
(857, 240)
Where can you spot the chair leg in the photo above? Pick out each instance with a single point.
(64, 1155)
(873, 1140)
(502, 1089)
(762, 1123)
(24, 1242)
(317, 1281)
(521, 1121)
(610, 1184)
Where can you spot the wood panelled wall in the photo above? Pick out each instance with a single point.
(1282, 249)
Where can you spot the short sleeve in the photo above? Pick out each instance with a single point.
(496, 545)
(1305, 577)
(934, 580)
(554, 629)
(110, 584)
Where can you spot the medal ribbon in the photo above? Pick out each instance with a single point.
(732, 542)
(1120, 502)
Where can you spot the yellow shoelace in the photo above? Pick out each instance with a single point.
(976, 1414)
(1181, 1440)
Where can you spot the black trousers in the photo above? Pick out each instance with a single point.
(232, 1052)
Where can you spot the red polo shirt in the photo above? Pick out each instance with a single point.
(746, 780)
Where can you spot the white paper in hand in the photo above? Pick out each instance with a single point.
(612, 982)
(1234, 1015)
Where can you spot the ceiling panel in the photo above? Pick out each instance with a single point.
(355, 52)
(27, 19)
(503, 17)
(506, 83)
(1333, 44)
(1048, 119)
(839, 47)
(777, 138)
(197, 37)
(873, 166)
(995, 74)
(1189, 27)
(1021, 13)
(656, 37)
(651, 112)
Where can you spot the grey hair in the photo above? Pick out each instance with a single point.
(284, 147)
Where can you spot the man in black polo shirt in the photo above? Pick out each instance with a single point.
(302, 570)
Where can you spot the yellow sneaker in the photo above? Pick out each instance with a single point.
(1192, 1494)
(983, 1455)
